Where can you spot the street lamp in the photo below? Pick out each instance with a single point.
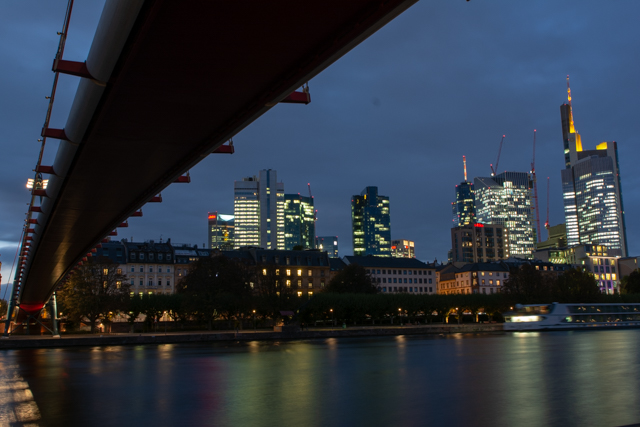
(400, 316)
(254, 321)
(332, 322)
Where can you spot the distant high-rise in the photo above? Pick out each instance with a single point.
(463, 209)
(221, 228)
(593, 208)
(259, 211)
(402, 248)
(479, 243)
(328, 244)
(505, 199)
(371, 223)
(299, 222)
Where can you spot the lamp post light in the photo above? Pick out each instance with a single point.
(332, 322)
(400, 316)
(254, 321)
(164, 318)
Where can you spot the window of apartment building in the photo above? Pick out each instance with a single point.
(310, 284)
(264, 271)
(141, 281)
(119, 271)
(288, 260)
(384, 280)
(404, 272)
(299, 283)
(150, 269)
(299, 272)
(150, 257)
(405, 280)
(150, 282)
(498, 282)
(141, 256)
(141, 269)
(395, 280)
(310, 273)
(288, 272)
(159, 282)
(168, 257)
(159, 257)
(159, 269)
(378, 271)
(322, 283)
(133, 255)
(430, 289)
(277, 272)
(133, 268)
(288, 283)
(132, 281)
(168, 282)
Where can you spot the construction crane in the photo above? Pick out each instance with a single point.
(546, 224)
(315, 211)
(495, 171)
(535, 187)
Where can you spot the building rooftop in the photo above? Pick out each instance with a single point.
(386, 262)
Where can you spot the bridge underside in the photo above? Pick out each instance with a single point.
(187, 76)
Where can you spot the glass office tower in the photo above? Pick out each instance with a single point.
(371, 223)
(299, 222)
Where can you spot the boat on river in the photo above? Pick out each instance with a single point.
(535, 317)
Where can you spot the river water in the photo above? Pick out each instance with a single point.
(585, 378)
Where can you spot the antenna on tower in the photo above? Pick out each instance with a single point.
(464, 162)
(571, 126)
(546, 224)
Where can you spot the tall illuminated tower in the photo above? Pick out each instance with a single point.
(259, 211)
(299, 222)
(592, 192)
(463, 209)
(505, 199)
(371, 223)
(220, 231)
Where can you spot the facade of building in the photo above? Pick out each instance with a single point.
(592, 191)
(505, 199)
(259, 211)
(598, 259)
(479, 243)
(475, 278)
(220, 229)
(299, 222)
(184, 255)
(464, 208)
(557, 238)
(328, 244)
(371, 223)
(302, 273)
(150, 267)
(398, 275)
(403, 248)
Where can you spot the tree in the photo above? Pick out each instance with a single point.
(275, 293)
(352, 279)
(216, 286)
(577, 285)
(94, 291)
(631, 283)
(528, 285)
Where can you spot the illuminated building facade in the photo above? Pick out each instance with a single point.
(299, 222)
(220, 228)
(505, 199)
(592, 192)
(328, 244)
(403, 248)
(479, 243)
(259, 211)
(371, 223)
(464, 209)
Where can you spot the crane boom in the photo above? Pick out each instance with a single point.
(495, 171)
(546, 224)
(535, 188)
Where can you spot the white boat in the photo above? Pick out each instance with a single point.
(535, 317)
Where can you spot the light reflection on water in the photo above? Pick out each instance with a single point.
(555, 378)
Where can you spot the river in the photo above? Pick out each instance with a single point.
(585, 378)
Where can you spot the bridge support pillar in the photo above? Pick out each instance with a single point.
(54, 316)
(7, 323)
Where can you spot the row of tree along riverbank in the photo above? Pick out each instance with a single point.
(219, 290)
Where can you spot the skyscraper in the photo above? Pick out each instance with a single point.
(592, 192)
(299, 222)
(505, 199)
(402, 248)
(221, 228)
(328, 244)
(259, 211)
(463, 209)
(371, 223)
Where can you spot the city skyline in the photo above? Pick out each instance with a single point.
(400, 95)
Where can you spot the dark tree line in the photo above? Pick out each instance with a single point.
(219, 288)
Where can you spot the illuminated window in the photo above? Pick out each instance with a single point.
(105, 271)
(310, 294)
(299, 283)
(299, 272)
(288, 272)
(310, 273)
(264, 271)
(288, 283)
(299, 293)
(277, 272)
(119, 271)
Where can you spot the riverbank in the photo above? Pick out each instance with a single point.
(25, 341)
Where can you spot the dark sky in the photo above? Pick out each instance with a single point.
(447, 78)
